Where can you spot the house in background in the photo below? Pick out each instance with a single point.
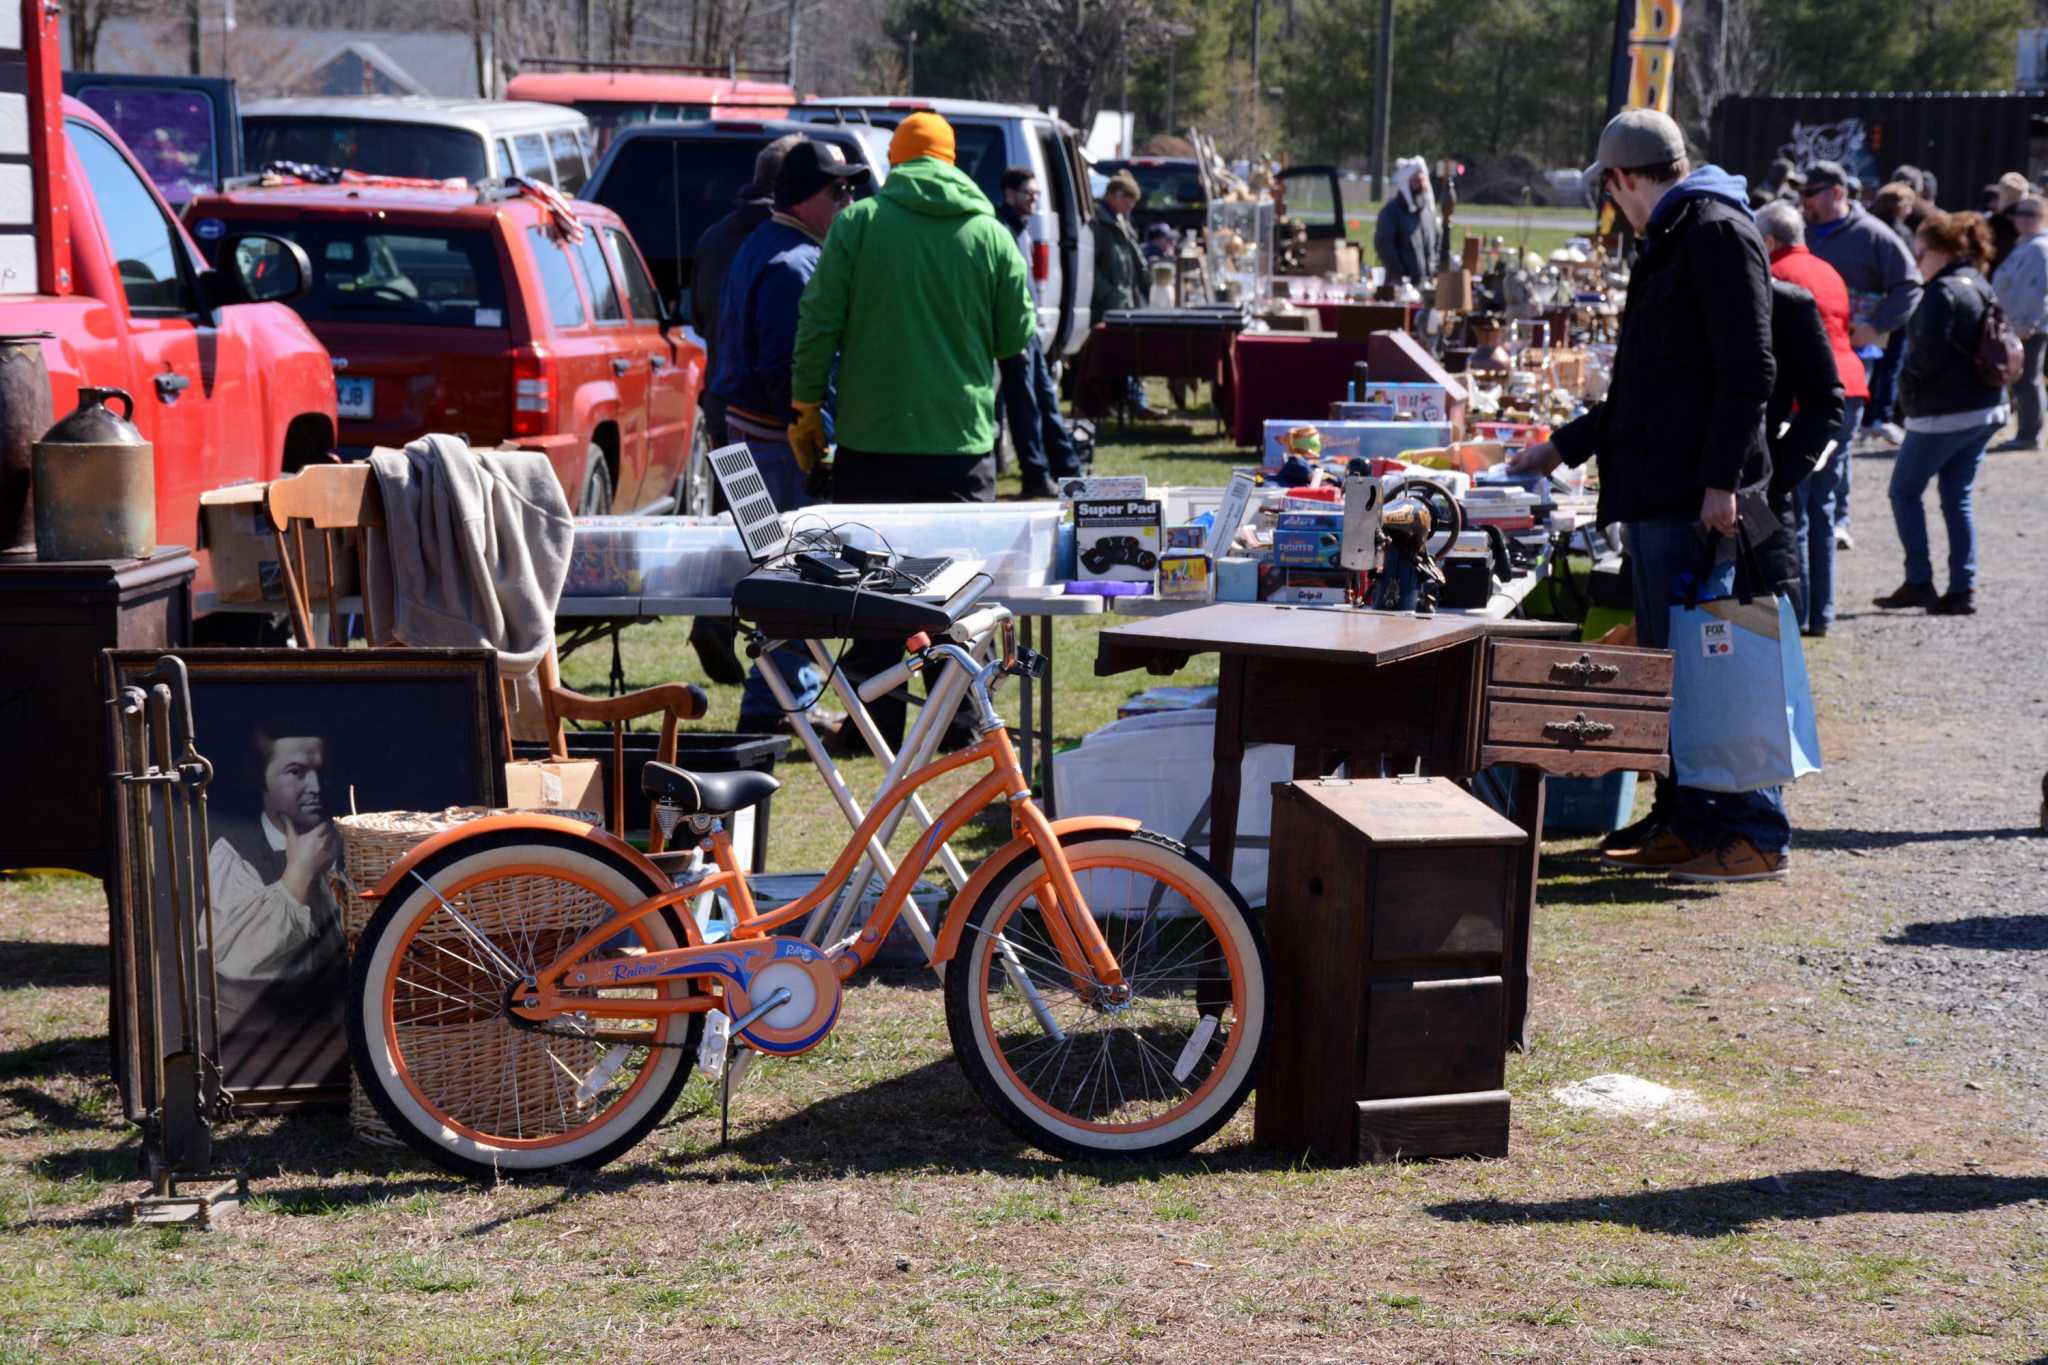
(267, 59)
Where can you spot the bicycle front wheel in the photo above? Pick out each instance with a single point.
(440, 1055)
(1148, 1068)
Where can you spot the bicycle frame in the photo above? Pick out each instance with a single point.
(1073, 930)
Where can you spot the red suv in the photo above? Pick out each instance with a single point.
(470, 311)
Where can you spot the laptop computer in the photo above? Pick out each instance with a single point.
(768, 542)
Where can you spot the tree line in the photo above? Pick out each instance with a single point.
(1520, 83)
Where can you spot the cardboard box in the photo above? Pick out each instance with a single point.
(1186, 576)
(1308, 540)
(1333, 257)
(1342, 440)
(555, 784)
(1118, 540)
(234, 530)
(1422, 402)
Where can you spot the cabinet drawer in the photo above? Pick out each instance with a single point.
(1573, 728)
(1581, 668)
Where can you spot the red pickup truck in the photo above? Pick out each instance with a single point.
(228, 383)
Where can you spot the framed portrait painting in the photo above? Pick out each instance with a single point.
(297, 738)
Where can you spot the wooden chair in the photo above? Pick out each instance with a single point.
(342, 503)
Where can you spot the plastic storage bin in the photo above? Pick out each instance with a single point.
(1588, 805)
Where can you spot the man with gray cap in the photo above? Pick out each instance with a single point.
(1884, 284)
(1680, 432)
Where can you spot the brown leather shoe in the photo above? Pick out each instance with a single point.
(1662, 850)
(1733, 860)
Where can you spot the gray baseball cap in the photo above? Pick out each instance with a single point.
(1634, 138)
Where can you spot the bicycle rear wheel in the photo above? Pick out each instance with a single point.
(1147, 1069)
(437, 1051)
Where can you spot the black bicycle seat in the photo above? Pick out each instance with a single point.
(706, 793)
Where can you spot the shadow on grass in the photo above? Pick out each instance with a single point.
(1581, 878)
(74, 1056)
(1737, 1205)
(53, 964)
(2007, 932)
(1870, 839)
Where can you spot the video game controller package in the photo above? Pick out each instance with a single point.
(1118, 539)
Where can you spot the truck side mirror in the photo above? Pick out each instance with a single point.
(258, 267)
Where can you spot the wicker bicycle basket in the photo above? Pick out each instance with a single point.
(371, 845)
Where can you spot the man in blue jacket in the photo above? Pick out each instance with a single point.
(1679, 435)
(756, 339)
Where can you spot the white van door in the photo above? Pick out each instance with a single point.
(1070, 279)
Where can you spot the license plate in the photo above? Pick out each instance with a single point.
(354, 397)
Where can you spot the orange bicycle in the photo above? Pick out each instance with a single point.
(531, 991)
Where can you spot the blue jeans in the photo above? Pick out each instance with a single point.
(1031, 405)
(785, 480)
(1663, 555)
(1884, 380)
(1849, 430)
(1815, 510)
(1950, 460)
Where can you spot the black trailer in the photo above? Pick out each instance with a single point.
(1967, 138)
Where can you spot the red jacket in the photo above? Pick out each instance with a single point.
(1797, 265)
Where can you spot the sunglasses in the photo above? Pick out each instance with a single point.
(1809, 191)
(842, 191)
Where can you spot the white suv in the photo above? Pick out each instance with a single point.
(429, 138)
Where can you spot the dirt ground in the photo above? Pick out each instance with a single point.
(1858, 1175)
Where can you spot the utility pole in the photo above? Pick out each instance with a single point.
(795, 18)
(1172, 55)
(1258, 22)
(1383, 100)
(1123, 98)
(196, 53)
(910, 65)
(588, 17)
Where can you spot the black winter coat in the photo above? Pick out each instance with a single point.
(1808, 389)
(1806, 401)
(1692, 369)
(711, 260)
(1939, 372)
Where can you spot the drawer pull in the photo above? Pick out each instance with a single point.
(1584, 670)
(1578, 729)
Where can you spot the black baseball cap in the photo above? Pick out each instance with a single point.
(809, 167)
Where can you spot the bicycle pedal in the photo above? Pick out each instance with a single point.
(715, 1044)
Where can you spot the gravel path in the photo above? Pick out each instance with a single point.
(1924, 834)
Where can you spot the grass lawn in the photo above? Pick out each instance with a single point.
(868, 1208)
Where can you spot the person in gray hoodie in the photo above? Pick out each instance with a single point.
(2021, 285)
(1884, 284)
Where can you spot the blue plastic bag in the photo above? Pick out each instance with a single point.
(1742, 710)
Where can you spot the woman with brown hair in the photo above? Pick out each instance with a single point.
(1951, 413)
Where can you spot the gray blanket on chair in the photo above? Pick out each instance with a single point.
(480, 543)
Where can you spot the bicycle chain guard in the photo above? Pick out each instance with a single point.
(750, 970)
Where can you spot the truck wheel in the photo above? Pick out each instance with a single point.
(596, 498)
(695, 486)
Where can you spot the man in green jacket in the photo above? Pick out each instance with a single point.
(1121, 278)
(919, 292)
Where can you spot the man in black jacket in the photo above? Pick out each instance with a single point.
(1681, 430)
